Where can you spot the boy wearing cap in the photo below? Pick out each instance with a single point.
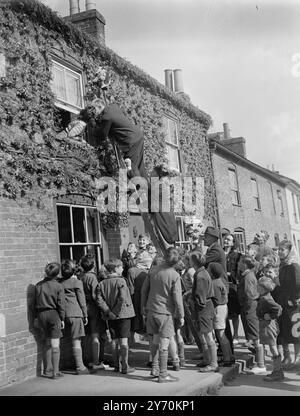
(268, 311)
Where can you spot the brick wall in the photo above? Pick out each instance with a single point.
(245, 216)
(24, 251)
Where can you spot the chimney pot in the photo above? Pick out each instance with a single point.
(90, 4)
(74, 7)
(169, 78)
(226, 131)
(178, 83)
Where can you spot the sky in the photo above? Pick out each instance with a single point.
(240, 62)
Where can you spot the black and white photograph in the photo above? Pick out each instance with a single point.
(149, 202)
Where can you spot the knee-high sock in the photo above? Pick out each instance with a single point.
(77, 352)
(55, 359)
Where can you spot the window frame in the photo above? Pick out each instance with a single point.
(256, 197)
(295, 216)
(98, 244)
(241, 243)
(182, 243)
(169, 144)
(279, 196)
(237, 190)
(65, 105)
(272, 195)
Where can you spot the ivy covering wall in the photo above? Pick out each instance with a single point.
(34, 160)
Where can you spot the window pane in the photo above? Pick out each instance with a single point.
(234, 197)
(79, 225)
(78, 252)
(95, 252)
(73, 89)
(64, 224)
(57, 83)
(254, 188)
(172, 132)
(65, 253)
(173, 158)
(232, 179)
(180, 229)
(93, 225)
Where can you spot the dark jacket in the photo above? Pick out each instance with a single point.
(232, 260)
(75, 299)
(289, 278)
(49, 294)
(220, 292)
(90, 282)
(113, 296)
(161, 291)
(247, 289)
(202, 289)
(215, 254)
(266, 304)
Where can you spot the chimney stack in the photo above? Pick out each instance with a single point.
(90, 21)
(90, 5)
(226, 131)
(169, 78)
(74, 7)
(178, 82)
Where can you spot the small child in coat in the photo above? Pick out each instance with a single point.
(76, 311)
(97, 326)
(202, 295)
(268, 311)
(49, 309)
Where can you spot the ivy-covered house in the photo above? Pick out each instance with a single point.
(48, 182)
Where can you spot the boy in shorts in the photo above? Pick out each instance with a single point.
(114, 300)
(161, 300)
(96, 325)
(220, 300)
(49, 308)
(76, 311)
(268, 311)
(202, 295)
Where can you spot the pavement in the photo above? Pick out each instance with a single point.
(108, 383)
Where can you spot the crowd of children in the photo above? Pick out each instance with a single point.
(145, 293)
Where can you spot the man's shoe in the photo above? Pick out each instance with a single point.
(128, 370)
(202, 364)
(167, 379)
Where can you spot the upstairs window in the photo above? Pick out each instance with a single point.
(172, 143)
(272, 196)
(295, 216)
(255, 194)
(233, 181)
(67, 87)
(279, 196)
